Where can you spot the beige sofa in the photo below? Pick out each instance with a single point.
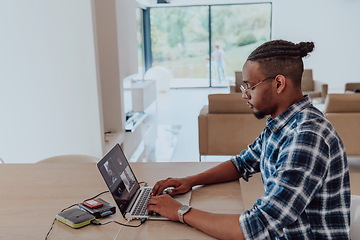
(343, 111)
(235, 86)
(227, 125)
(352, 86)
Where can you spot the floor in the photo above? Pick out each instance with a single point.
(177, 112)
(177, 129)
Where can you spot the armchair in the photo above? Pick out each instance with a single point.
(313, 88)
(235, 88)
(227, 125)
(350, 87)
(343, 111)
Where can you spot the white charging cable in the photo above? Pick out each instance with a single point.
(121, 227)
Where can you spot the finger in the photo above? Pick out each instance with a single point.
(159, 191)
(152, 200)
(155, 189)
(161, 185)
(177, 190)
(171, 191)
(174, 191)
(151, 208)
(158, 188)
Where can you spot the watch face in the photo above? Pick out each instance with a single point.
(184, 208)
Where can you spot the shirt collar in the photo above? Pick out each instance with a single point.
(276, 124)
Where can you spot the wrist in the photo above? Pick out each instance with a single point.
(193, 180)
(184, 209)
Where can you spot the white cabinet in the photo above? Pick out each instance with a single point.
(143, 94)
(140, 129)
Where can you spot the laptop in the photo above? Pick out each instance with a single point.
(130, 198)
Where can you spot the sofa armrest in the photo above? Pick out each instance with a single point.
(321, 87)
(347, 125)
(232, 89)
(342, 103)
(203, 130)
(228, 103)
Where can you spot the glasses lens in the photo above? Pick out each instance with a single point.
(242, 88)
(243, 91)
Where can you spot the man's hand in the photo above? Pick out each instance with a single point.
(223, 172)
(164, 205)
(180, 185)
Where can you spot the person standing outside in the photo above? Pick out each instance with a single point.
(299, 155)
(218, 57)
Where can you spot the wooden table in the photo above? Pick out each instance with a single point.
(32, 194)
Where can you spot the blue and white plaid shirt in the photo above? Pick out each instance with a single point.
(305, 176)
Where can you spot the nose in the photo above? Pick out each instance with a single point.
(244, 95)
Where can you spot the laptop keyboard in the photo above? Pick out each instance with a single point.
(141, 207)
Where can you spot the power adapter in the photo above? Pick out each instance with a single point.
(75, 217)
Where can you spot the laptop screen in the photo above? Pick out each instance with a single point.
(119, 177)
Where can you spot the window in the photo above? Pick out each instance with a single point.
(203, 46)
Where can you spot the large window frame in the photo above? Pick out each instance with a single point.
(146, 32)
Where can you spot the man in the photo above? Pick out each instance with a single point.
(299, 155)
(218, 57)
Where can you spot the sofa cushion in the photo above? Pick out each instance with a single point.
(228, 103)
(342, 103)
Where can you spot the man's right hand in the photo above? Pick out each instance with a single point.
(180, 185)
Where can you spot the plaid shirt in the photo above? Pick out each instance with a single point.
(305, 176)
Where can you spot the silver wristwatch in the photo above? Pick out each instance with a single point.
(182, 211)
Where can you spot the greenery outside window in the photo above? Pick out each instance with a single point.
(185, 39)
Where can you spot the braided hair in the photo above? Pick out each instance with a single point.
(282, 57)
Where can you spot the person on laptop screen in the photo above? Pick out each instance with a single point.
(299, 155)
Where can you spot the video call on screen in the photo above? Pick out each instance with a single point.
(120, 180)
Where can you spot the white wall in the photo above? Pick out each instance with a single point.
(49, 95)
(48, 84)
(333, 26)
(127, 35)
(153, 3)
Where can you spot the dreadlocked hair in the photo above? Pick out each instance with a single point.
(282, 57)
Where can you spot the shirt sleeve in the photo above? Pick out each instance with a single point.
(298, 173)
(248, 161)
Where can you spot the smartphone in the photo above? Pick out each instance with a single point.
(92, 203)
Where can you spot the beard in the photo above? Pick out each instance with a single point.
(259, 114)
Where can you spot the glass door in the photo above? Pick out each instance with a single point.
(235, 31)
(179, 42)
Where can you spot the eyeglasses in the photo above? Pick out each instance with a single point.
(247, 87)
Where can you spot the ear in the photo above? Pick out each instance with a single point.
(280, 81)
